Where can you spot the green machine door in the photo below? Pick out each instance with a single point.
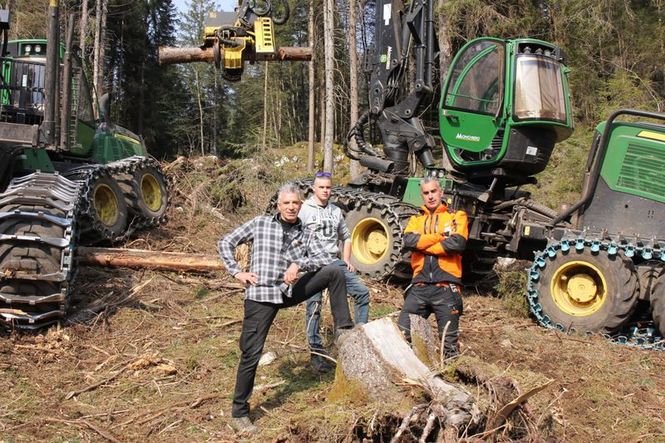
(471, 106)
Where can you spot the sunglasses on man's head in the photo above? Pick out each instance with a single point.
(323, 174)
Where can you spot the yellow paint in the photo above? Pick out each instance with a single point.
(578, 288)
(151, 192)
(370, 240)
(265, 36)
(106, 205)
(527, 230)
(652, 135)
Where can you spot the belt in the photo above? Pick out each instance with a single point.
(441, 284)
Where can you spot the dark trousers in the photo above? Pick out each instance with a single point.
(446, 304)
(259, 317)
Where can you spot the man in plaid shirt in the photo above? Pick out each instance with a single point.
(281, 250)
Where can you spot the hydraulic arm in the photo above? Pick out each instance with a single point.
(397, 33)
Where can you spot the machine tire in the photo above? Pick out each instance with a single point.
(20, 258)
(374, 248)
(108, 208)
(31, 257)
(150, 191)
(658, 303)
(603, 295)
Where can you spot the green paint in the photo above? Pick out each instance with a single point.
(34, 160)
(478, 101)
(635, 159)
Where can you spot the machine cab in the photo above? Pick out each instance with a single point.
(504, 105)
(23, 71)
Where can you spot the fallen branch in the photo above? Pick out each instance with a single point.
(104, 433)
(98, 384)
(503, 413)
(149, 416)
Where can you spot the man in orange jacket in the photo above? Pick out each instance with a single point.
(436, 239)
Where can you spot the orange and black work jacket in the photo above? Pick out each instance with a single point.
(436, 241)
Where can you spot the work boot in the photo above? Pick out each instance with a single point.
(320, 363)
(243, 425)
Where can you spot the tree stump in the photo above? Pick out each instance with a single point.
(423, 340)
(376, 362)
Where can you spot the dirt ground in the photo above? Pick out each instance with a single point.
(156, 360)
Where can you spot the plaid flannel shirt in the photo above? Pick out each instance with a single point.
(274, 248)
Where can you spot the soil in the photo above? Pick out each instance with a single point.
(151, 356)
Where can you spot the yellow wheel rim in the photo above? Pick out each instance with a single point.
(578, 288)
(151, 192)
(370, 241)
(106, 205)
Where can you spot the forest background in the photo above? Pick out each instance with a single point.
(614, 48)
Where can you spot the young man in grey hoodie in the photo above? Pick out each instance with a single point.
(327, 221)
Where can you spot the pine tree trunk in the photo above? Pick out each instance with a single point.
(322, 114)
(355, 167)
(100, 38)
(329, 49)
(200, 103)
(96, 45)
(445, 45)
(311, 91)
(83, 26)
(265, 105)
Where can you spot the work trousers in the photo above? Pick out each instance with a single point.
(356, 289)
(259, 317)
(446, 304)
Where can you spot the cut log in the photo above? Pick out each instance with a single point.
(170, 55)
(376, 362)
(136, 258)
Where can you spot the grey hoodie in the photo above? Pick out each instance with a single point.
(327, 222)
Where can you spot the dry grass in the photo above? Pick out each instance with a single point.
(158, 364)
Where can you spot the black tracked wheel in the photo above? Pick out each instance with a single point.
(588, 292)
(36, 243)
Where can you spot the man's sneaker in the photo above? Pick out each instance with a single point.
(320, 363)
(243, 425)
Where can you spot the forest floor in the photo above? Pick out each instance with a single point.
(158, 362)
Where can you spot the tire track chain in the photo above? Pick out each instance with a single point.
(115, 170)
(633, 335)
(54, 202)
(395, 214)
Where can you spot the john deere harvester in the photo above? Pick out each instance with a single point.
(65, 175)
(598, 267)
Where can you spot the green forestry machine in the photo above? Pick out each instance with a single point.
(598, 267)
(64, 175)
